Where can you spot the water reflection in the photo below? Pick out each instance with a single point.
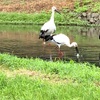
(23, 41)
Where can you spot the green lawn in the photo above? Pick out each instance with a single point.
(35, 79)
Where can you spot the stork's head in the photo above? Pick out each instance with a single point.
(55, 9)
(74, 44)
(42, 33)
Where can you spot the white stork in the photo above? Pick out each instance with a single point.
(49, 27)
(62, 39)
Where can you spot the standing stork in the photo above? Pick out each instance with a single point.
(62, 39)
(49, 27)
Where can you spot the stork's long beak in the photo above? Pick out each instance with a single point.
(57, 11)
(77, 51)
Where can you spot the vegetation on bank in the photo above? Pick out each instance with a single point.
(87, 6)
(36, 18)
(23, 78)
(67, 16)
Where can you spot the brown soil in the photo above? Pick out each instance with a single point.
(35, 75)
(31, 6)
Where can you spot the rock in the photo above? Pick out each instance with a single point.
(95, 15)
(99, 17)
(91, 20)
(88, 16)
(84, 14)
(79, 17)
(98, 22)
(95, 19)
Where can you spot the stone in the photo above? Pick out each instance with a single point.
(84, 14)
(99, 17)
(95, 15)
(88, 16)
(96, 19)
(79, 17)
(98, 22)
(91, 20)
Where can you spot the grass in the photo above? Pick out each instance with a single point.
(25, 79)
(87, 5)
(39, 18)
(84, 71)
(24, 88)
(96, 7)
(25, 18)
(15, 18)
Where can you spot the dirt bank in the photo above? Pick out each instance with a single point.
(31, 6)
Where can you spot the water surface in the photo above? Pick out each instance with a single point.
(23, 41)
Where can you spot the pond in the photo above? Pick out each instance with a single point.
(23, 41)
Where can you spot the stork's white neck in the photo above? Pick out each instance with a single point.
(73, 44)
(52, 16)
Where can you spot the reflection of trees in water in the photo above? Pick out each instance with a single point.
(90, 32)
(14, 36)
(82, 31)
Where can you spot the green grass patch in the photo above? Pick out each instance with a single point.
(80, 71)
(78, 81)
(87, 5)
(25, 18)
(16, 18)
(24, 88)
(96, 7)
(39, 18)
